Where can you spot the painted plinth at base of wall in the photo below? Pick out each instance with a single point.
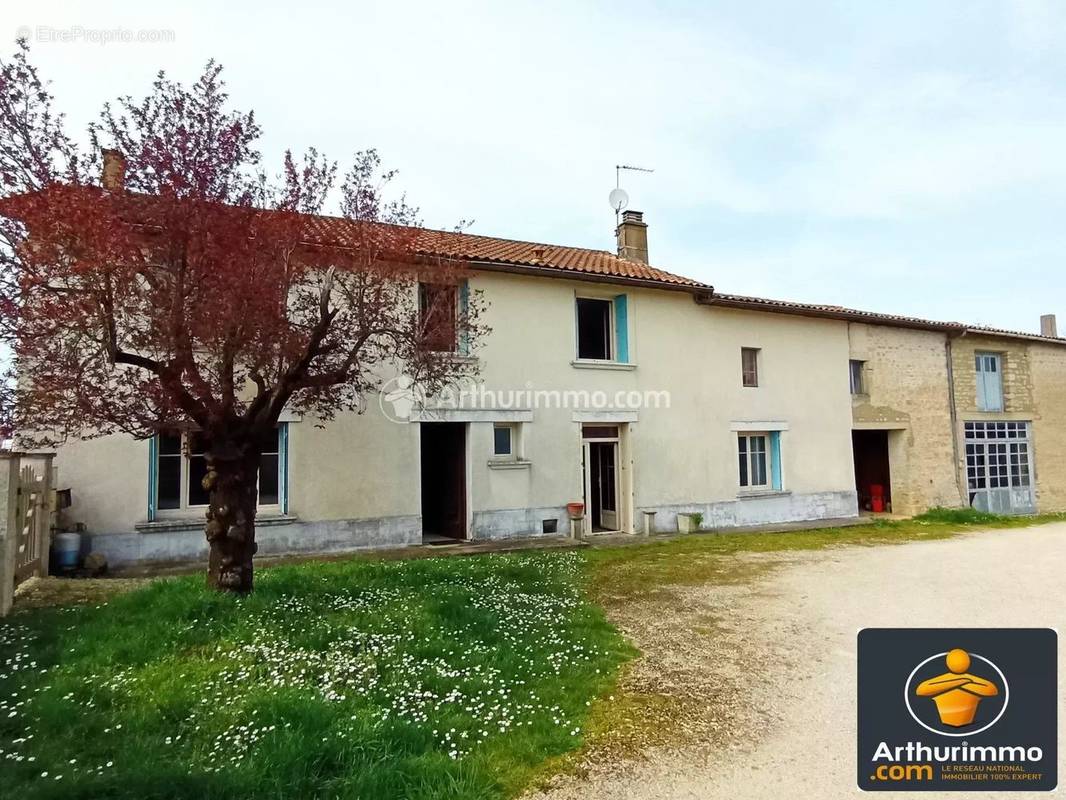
(178, 543)
(291, 538)
(763, 509)
(515, 523)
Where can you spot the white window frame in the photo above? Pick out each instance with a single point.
(983, 376)
(186, 509)
(512, 428)
(768, 472)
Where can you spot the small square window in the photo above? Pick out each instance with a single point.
(503, 441)
(749, 363)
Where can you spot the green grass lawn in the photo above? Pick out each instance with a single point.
(617, 574)
(435, 678)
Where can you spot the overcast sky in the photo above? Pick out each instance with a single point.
(901, 157)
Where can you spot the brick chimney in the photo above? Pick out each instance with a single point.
(114, 172)
(632, 235)
(1048, 327)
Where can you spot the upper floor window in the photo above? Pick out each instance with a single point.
(438, 307)
(857, 375)
(989, 367)
(603, 328)
(749, 365)
(180, 466)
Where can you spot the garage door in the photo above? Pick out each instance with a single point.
(999, 467)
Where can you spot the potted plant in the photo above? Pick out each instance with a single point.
(689, 521)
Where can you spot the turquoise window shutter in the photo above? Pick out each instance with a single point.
(621, 328)
(283, 467)
(153, 476)
(775, 459)
(464, 309)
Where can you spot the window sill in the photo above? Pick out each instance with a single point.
(197, 523)
(588, 363)
(520, 463)
(756, 494)
(456, 357)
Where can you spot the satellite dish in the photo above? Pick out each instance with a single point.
(618, 199)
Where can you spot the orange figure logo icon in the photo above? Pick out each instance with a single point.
(957, 693)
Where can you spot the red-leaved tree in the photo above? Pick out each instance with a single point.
(170, 284)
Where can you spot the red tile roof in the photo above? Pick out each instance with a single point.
(580, 262)
(544, 258)
(871, 317)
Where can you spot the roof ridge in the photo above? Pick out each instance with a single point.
(597, 250)
(875, 315)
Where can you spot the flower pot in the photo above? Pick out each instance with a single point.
(686, 523)
(575, 510)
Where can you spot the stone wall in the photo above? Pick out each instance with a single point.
(906, 392)
(1048, 369)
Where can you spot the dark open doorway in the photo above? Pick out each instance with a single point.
(443, 481)
(602, 503)
(873, 478)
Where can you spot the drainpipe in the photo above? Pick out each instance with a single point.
(954, 415)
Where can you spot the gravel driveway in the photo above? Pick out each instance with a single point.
(783, 645)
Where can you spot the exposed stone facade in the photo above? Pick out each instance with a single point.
(1048, 370)
(906, 393)
(1017, 376)
(1034, 390)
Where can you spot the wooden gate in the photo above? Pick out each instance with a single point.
(31, 525)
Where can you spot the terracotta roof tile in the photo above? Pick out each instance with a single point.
(874, 318)
(326, 231)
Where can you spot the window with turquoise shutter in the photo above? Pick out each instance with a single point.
(621, 328)
(153, 476)
(989, 369)
(464, 309)
(775, 459)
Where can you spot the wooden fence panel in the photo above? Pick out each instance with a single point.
(30, 533)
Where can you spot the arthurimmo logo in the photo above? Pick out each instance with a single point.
(956, 702)
(973, 709)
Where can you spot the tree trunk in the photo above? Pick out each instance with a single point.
(232, 475)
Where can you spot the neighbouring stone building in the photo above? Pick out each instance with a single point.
(946, 414)
(900, 407)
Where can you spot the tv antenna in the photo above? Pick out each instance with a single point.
(619, 198)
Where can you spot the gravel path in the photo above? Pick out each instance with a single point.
(780, 649)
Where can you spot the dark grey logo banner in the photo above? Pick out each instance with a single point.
(964, 709)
